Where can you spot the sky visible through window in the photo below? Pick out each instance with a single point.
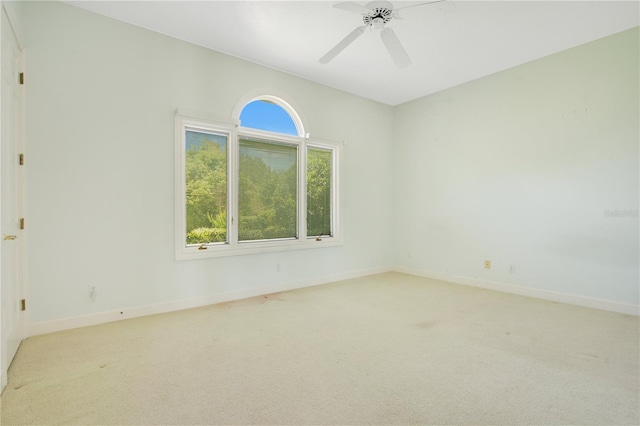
(268, 116)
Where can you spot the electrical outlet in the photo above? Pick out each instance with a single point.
(512, 269)
(487, 264)
(93, 293)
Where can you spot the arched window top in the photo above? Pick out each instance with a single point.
(271, 114)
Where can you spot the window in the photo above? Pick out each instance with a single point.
(206, 186)
(268, 190)
(319, 177)
(261, 186)
(267, 115)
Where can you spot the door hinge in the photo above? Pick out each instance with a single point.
(23, 304)
(21, 159)
(22, 223)
(21, 78)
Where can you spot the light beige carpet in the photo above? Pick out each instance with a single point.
(386, 349)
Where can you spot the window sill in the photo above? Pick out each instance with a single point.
(255, 247)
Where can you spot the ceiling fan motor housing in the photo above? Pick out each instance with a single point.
(381, 13)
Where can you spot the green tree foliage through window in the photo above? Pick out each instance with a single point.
(268, 188)
(206, 187)
(319, 165)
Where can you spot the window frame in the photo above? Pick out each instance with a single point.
(188, 120)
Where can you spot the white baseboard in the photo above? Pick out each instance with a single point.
(571, 299)
(45, 327)
(177, 305)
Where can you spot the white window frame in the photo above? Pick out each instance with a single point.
(189, 120)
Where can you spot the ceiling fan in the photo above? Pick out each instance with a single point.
(376, 15)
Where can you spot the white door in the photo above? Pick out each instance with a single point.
(12, 329)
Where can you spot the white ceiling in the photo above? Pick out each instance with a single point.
(449, 43)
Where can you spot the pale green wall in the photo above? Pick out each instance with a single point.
(101, 98)
(517, 167)
(520, 167)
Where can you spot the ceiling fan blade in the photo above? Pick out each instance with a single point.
(350, 38)
(419, 4)
(395, 49)
(350, 6)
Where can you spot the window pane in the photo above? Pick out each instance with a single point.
(319, 164)
(268, 116)
(206, 187)
(268, 186)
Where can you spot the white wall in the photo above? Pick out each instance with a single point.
(520, 167)
(101, 97)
